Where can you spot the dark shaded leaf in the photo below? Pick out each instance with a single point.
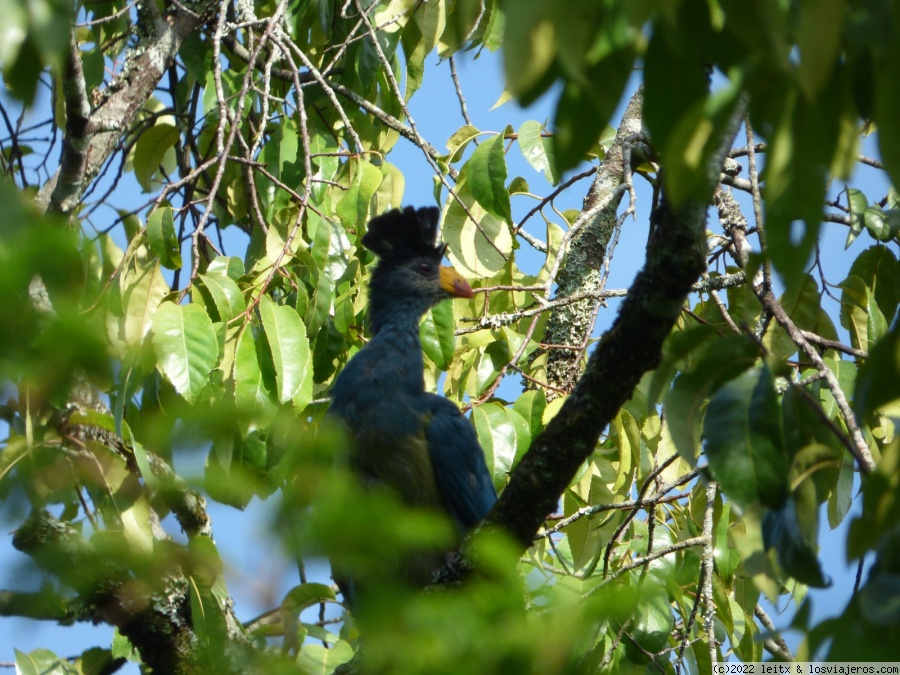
(796, 555)
(745, 442)
(685, 404)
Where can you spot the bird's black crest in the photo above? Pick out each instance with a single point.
(405, 234)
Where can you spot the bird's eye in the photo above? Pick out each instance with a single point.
(425, 268)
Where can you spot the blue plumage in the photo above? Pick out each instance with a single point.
(417, 443)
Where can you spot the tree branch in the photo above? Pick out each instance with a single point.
(587, 250)
(676, 257)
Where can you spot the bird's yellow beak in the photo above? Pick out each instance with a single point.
(454, 284)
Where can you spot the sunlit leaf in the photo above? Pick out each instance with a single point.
(353, 208)
(501, 432)
(162, 238)
(531, 405)
(479, 248)
(225, 294)
(459, 140)
(142, 291)
(42, 662)
(186, 347)
(436, 334)
(317, 660)
(879, 269)
(289, 345)
(538, 150)
(150, 151)
(486, 173)
(858, 204)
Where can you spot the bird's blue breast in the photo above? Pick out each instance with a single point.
(378, 397)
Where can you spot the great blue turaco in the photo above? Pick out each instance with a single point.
(416, 443)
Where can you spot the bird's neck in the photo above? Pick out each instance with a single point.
(397, 316)
(396, 339)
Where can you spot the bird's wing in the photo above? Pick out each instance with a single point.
(465, 484)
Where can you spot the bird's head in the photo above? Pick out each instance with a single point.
(409, 277)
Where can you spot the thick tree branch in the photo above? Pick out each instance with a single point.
(159, 40)
(676, 257)
(75, 144)
(587, 250)
(157, 623)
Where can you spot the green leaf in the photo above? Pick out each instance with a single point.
(876, 324)
(798, 160)
(186, 347)
(654, 623)
(796, 555)
(845, 371)
(745, 442)
(225, 294)
(685, 403)
(727, 557)
(530, 46)
(317, 660)
(162, 238)
(142, 291)
(676, 87)
(306, 595)
(819, 27)
(677, 349)
(537, 150)
(319, 307)
(353, 208)
(486, 173)
(887, 105)
(289, 345)
(42, 662)
(254, 386)
(860, 313)
(15, 450)
(459, 140)
(235, 469)
(228, 266)
(584, 109)
(122, 648)
(328, 348)
(694, 140)
(204, 609)
(389, 194)
(801, 302)
(531, 406)
(436, 334)
(95, 661)
(879, 600)
(855, 311)
(882, 225)
(841, 498)
(415, 58)
(858, 203)
(880, 270)
(626, 438)
(878, 383)
(479, 248)
(12, 32)
(150, 152)
(502, 434)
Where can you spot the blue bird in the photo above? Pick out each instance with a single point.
(416, 443)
